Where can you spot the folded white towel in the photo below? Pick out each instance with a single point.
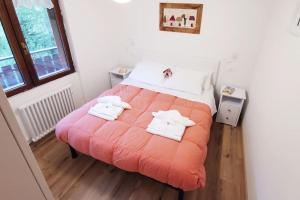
(106, 111)
(109, 107)
(170, 124)
(174, 116)
(114, 100)
(106, 117)
(174, 131)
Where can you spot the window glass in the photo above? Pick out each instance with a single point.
(10, 76)
(43, 40)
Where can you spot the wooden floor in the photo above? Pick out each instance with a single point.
(88, 179)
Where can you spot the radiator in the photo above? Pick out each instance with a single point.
(40, 117)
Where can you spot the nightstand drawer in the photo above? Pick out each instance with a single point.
(227, 118)
(230, 110)
(228, 114)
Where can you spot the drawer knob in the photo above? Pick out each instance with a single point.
(229, 110)
(227, 118)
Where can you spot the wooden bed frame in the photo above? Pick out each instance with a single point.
(74, 155)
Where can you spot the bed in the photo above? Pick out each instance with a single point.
(126, 144)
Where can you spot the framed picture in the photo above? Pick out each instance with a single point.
(181, 17)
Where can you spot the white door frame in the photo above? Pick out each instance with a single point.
(24, 147)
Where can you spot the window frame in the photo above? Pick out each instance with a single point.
(16, 51)
(15, 36)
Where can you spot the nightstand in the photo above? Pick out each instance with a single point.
(231, 106)
(116, 76)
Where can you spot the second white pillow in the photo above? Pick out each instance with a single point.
(188, 80)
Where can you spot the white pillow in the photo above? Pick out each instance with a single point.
(184, 80)
(208, 81)
(149, 72)
(188, 80)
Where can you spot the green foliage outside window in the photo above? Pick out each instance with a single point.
(4, 47)
(36, 28)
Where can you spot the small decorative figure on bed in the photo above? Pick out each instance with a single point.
(168, 73)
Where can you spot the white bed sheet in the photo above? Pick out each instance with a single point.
(206, 97)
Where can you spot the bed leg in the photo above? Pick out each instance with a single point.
(73, 152)
(180, 194)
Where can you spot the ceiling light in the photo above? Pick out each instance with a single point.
(122, 1)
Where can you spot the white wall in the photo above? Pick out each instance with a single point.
(271, 125)
(231, 28)
(94, 38)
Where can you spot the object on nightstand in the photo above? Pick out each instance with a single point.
(228, 90)
(123, 70)
(231, 105)
(119, 74)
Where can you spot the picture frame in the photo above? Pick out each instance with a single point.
(181, 17)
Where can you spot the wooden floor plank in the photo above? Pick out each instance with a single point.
(88, 179)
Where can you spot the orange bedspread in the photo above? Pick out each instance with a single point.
(126, 144)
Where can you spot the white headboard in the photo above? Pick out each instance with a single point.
(191, 62)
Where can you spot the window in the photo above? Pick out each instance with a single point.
(33, 47)
(10, 75)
